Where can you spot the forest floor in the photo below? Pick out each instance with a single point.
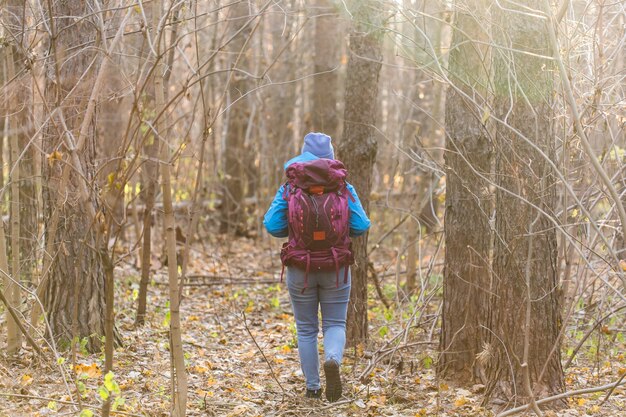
(241, 355)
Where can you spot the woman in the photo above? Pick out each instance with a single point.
(313, 290)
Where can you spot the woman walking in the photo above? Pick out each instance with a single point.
(318, 211)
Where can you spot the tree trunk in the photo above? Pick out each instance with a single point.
(359, 145)
(232, 213)
(22, 128)
(524, 321)
(112, 114)
(23, 208)
(150, 170)
(74, 293)
(466, 283)
(281, 102)
(326, 67)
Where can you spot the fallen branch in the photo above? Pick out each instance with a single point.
(567, 394)
(11, 311)
(245, 323)
(617, 384)
(209, 280)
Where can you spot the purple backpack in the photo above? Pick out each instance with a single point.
(318, 217)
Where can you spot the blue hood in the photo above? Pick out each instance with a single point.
(303, 157)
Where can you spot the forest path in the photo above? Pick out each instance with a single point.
(249, 366)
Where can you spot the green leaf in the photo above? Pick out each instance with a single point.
(383, 331)
(118, 402)
(428, 362)
(86, 413)
(110, 384)
(61, 360)
(52, 405)
(104, 393)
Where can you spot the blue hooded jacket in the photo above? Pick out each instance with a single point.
(275, 220)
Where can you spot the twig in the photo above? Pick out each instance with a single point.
(580, 130)
(11, 311)
(389, 232)
(608, 394)
(525, 370)
(245, 323)
(567, 394)
(379, 290)
(589, 333)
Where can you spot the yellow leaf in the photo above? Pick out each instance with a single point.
(285, 348)
(200, 369)
(622, 264)
(26, 380)
(581, 402)
(486, 115)
(92, 371)
(54, 156)
(443, 387)
(460, 402)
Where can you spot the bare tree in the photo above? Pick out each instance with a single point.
(150, 169)
(466, 283)
(523, 355)
(74, 292)
(232, 212)
(326, 60)
(358, 144)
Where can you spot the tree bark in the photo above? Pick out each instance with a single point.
(326, 62)
(359, 145)
(232, 213)
(524, 350)
(19, 108)
(76, 277)
(466, 282)
(279, 117)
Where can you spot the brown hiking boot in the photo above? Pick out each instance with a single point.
(333, 380)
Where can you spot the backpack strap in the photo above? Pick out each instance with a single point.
(306, 272)
(286, 191)
(336, 259)
(344, 189)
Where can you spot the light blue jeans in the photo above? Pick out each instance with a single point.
(321, 291)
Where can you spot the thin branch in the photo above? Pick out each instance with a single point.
(245, 323)
(563, 395)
